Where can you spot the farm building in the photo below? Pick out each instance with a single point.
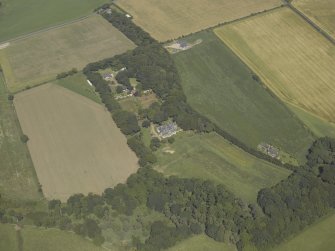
(107, 76)
(167, 130)
(269, 150)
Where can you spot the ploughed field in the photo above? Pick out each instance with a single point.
(74, 143)
(166, 20)
(293, 59)
(39, 58)
(20, 17)
(321, 12)
(219, 86)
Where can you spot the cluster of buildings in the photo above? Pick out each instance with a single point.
(269, 150)
(167, 130)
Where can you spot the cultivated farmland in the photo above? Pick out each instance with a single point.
(321, 12)
(319, 236)
(18, 17)
(75, 145)
(17, 179)
(211, 157)
(293, 59)
(41, 57)
(218, 85)
(171, 19)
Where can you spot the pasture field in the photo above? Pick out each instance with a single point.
(34, 238)
(166, 20)
(321, 12)
(319, 126)
(74, 143)
(202, 243)
(211, 157)
(218, 85)
(78, 84)
(19, 17)
(319, 236)
(41, 57)
(18, 178)
(293, 59)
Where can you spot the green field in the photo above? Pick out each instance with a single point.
(211, 157)
(18, 17)
(319, 126)
(219, 86)
(318, 237)
(39, 58)
(202, 243)
(78, 84)
(40, 239)
(18, 179)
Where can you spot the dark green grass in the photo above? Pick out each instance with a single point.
(77, 83)
(17, 174)
(19, 17)
(219, 86)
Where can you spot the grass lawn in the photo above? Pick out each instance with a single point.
(18, 179)
(41, 239)
(318, 237)
(171, 19)
(78, 84)
(202, 243)
(39, 58)
(18, 17)
(293, 59)
(209, 156)
(321, 12)
(218, 85)
(74, 143)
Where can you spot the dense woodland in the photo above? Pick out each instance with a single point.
(192, 206)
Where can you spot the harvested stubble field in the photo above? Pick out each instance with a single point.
(75, 145)
(293, 60)
(211, 157)
(321, 12)
(218, 85)
(41, 57)
(166, 20)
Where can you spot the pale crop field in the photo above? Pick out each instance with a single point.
(39, 58)
(293, 60)
(74, 143)
(166, 20)
(321, 12)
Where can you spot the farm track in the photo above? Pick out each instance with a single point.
(313, 24)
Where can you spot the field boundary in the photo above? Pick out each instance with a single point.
(18, 125)
(53, 27)
(313, 24)
(268, 90)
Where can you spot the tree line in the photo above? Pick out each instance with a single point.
(196, 206)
